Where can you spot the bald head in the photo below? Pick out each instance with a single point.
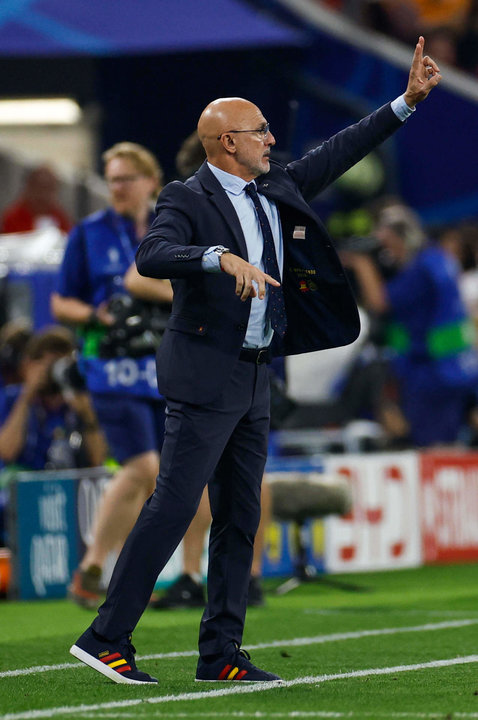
(222, 115)
(221, 129)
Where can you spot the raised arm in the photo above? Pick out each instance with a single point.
(323, 165)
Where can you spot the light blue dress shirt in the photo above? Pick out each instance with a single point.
(401, 109)
(259, 331)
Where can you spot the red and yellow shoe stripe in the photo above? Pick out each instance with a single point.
(231, 673)
(116, 662)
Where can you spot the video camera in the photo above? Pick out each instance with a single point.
(137, 329)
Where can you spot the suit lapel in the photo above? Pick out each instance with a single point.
(218, 197)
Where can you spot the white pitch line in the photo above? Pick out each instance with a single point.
(293, 642)
(238, 689)
(322, 714)
(430, 613)
(292, 715)
(39, 669)
(257, 714)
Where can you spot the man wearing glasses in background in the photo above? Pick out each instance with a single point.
(240, 243)
(97, 274)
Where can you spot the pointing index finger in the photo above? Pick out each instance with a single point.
(418, 54)
(272, 281)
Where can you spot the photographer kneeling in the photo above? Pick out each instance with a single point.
(47, 421)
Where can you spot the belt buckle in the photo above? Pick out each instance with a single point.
(262, 353)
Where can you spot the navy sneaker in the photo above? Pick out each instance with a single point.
(113, 659)
(234, 666)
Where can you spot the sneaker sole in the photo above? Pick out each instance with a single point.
(100, 667)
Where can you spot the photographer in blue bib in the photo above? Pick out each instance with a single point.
(119, 317)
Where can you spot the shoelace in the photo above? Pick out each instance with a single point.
(241, 651)
(244, 653)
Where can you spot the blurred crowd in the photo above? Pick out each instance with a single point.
(450, 26)
(412, 374)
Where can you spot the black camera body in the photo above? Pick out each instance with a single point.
(137, 329)
(64, 374)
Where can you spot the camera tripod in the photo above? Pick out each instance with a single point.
(304, 572)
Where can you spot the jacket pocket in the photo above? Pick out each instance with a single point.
(187, 325)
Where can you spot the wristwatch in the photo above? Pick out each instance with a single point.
(221, 250)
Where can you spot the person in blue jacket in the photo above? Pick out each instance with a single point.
(96, 273)
(42, 409)
(431, 337)
(254, 274)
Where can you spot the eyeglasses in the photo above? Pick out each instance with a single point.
(261, 132)
(123, 179)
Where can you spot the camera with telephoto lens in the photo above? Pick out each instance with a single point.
(137, 328)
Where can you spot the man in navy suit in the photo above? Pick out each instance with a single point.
(254, 274)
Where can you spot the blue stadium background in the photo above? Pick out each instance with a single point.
(151, 67)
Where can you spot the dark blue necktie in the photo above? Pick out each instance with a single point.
(275, 304)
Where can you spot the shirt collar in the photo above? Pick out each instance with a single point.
(232, 183)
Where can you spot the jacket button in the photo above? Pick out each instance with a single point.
(241, 326)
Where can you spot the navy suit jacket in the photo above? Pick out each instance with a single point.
(208, 321)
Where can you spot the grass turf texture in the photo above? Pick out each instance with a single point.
(40, 633)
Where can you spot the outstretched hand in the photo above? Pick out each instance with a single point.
(424, 75)
(247, 276)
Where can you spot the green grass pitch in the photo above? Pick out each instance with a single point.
(402, 645)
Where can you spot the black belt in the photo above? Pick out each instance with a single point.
(258, 356)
